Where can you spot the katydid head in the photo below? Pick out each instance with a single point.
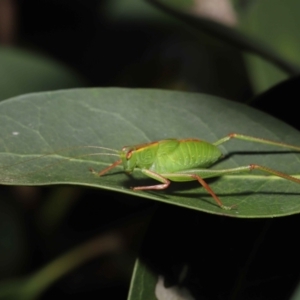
(129, 159)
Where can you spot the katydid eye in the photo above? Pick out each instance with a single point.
(129, 154)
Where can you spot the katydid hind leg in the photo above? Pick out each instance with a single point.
(210, 173)
(255, 140)
(206, 173)
(208, 188)
(274, 172)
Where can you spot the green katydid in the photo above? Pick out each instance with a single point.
(186, 160)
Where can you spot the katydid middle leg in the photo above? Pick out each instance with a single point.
(165, 182)
(178, 177)
(185, 177)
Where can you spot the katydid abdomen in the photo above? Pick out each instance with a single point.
(174, 155)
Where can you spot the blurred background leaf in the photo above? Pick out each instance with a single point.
(275, 25)
(23, 72)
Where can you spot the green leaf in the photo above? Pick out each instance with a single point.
(149, 286)
(41, 123)
(143, 283)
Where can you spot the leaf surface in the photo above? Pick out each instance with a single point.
(62, 122)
